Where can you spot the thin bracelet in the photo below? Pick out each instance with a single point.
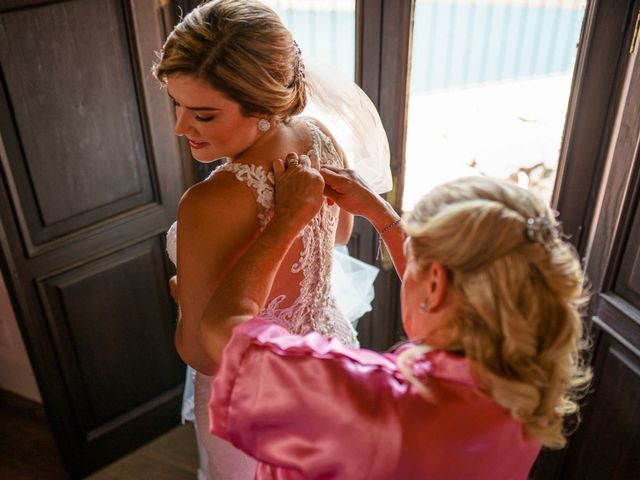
(379, 255)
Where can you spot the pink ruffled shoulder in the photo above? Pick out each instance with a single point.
(317, 409)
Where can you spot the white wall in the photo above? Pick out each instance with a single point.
(15, 370)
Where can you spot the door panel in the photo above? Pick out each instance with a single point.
(628, 281)
(90, 115)
(91, 178)
(96, 313)
(610, 436)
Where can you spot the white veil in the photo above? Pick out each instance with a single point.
(352, 119)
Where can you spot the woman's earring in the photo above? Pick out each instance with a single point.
(424, 307)
(264, 125)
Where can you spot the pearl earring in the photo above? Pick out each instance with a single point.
(424, 307)
(264, 125)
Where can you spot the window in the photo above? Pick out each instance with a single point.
(324, 29)
(490, 82)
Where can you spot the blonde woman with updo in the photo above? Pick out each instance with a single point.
(490, 297)
(238, 83)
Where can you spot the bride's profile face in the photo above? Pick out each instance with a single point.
(212, 123)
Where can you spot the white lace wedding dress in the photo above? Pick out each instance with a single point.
(301, 299)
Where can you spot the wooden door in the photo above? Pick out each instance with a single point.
(90, 182)
(607, 442)
(382, 70)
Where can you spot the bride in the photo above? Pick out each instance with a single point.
(238, 83)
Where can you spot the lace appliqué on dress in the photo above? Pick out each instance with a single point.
(315, 308)
(323, 146)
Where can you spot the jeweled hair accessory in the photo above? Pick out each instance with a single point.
(298, 53)
(540, 229)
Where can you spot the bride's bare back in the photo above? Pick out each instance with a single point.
(236, 203)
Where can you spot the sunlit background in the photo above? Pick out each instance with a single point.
(489, 83)
(324, 29)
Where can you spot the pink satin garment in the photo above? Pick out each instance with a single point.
(309, 408)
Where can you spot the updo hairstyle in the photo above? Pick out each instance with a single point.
(242, 49)
(518, 317)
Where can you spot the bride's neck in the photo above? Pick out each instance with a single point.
(261, 151)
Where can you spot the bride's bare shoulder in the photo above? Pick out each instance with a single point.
(218, 197)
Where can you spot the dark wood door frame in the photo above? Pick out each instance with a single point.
(612, 258)
(594, 95)
(383, 45)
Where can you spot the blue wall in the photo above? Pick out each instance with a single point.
(455, 43)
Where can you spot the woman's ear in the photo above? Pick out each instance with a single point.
(437, 279)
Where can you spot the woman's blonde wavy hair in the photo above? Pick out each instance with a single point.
(242, 49)
(518, 317)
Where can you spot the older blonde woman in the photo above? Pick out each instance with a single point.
(489, 299)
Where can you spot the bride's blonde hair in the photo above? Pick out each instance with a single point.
(518, 317)
(242, 49)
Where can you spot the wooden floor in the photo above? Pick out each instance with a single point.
(28, 451)
(27, 448)
(172, 456)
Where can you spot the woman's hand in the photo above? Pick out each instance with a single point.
(298, 189)
(351, 192)
(346, 188)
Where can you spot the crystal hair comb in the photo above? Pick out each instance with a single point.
(298, 52)
(540, 229)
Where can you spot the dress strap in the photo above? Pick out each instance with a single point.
(323, 145)
(261, 182)
(315, 136)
